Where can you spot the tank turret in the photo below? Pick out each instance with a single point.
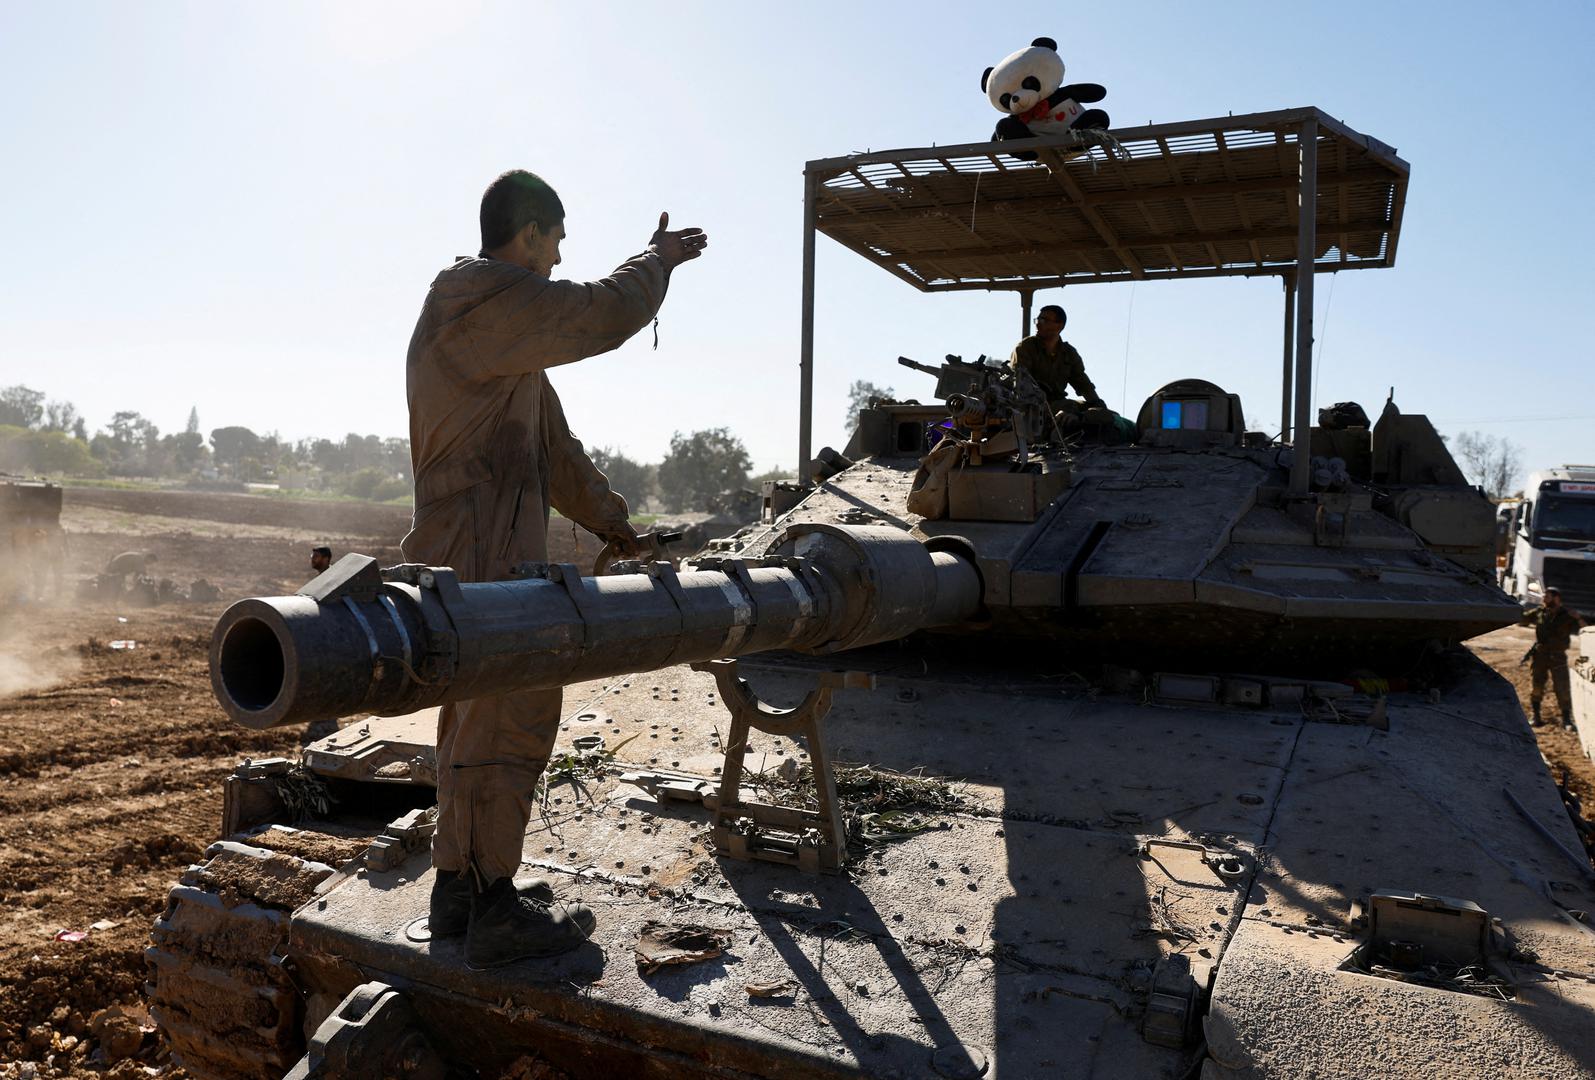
(1184, 539)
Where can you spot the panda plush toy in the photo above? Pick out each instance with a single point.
(1028, 88)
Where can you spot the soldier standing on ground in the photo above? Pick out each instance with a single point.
(1054, 363)
(492, 454)
(1553, 631)
(320, 559)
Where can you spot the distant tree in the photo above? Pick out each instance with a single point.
(61, 416)
(777, 473)
(156, 457)
(362, 482)
(373, 483)
(396, 458)
(393, 488)
(339, 459)
(131, 430)
(236, 449)
(328, 456)
(131, 445)
(363, 451)
(12, 453)
(58, 452)
(632, 479)
(80, 430)
(1490, 461)
(700, 466)
(21, 407)
(274, 456)
(859, 395)
(193, 421)
(186, 451)
(26, 451)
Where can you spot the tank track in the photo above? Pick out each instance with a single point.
(219, 986)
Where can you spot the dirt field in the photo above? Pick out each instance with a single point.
(111, 760)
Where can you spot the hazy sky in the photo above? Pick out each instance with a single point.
(239, 207)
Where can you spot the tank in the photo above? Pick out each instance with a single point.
(30, 529)
(1009, 741)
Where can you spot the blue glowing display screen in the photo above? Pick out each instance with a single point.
(1171, 414)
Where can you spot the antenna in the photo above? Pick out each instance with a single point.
(1129, 319)
(1323, 338)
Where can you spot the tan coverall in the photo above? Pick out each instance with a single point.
(492, 454)
(1055, 371)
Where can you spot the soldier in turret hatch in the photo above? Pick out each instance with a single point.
(1553, 624)
(492, 455)
(1054, 363)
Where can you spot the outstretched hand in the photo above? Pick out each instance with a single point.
(625, 541)
(677, 247)
(621, 543)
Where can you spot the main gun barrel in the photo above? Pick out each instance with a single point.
(360, 640)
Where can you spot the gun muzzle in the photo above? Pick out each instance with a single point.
(362, 640)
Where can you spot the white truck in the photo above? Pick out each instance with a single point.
(1552, 539)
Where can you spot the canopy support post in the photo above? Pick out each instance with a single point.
(1025, 297)
(806, 346)
(1306, 247)
(1290, 334)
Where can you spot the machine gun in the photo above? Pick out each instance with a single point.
(955, 374)
(1004, 410)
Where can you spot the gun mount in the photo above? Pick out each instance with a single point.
(357, 639)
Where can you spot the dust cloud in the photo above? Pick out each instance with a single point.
(22, 673)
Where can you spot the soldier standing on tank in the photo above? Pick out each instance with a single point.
(1054, 363)
(1553, 624)
(492, 454)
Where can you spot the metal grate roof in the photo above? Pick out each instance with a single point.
(1200, 198)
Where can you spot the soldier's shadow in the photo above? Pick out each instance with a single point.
(803, 937)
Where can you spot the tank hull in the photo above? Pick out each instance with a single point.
(1026, 929)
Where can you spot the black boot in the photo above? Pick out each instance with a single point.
(451, 901)
(506, 927)
(1534, 716)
